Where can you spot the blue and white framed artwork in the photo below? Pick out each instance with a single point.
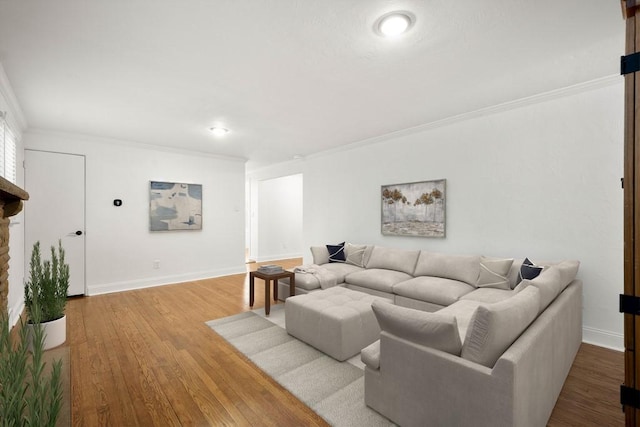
(175, 206)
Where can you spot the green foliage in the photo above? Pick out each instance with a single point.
(48, 284)
(28, 397)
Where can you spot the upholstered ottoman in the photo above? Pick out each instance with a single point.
(336, 321)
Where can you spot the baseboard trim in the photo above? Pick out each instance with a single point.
(607, 339)
(278, 257)
(15, 312)
(130, 285)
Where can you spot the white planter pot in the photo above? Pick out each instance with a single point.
(55, 332)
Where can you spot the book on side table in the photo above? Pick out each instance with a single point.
(270, 269)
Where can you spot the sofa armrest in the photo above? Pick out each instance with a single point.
(417, 385)
(370, 355)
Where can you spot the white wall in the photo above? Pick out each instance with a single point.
(120, 249)
(278, 225)
(537, 178)
(275, 215)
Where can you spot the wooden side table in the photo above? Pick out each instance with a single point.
(267, 277)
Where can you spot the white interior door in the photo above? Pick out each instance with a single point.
(56, 210)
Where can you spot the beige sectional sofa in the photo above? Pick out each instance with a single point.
(464, 340)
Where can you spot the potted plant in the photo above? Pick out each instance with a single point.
(29, 396)
(45, 294)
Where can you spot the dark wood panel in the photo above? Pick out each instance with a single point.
(631, 208)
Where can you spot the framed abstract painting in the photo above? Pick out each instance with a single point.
(414, 209)
(175, 206)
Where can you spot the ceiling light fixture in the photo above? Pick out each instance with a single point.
(218, 131)
(393, 24)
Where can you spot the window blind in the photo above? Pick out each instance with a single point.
(7, 150)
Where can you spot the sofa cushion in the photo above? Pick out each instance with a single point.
(341, 270)
(552, 281)
(568, 271)
(336, 253)
(377, 279)
(305, 281)
(464, 268)
(320, 255)
(489, 295)
(494, 327)
(393, 259)
(434, 330)
(370, 355)
(355, 254)
(494, 272)
(463, 311)
(435, 290)
(549, 284)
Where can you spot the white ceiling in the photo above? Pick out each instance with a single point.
(289, 77)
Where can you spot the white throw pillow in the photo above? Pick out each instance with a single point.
(494, 327)
(439, 331)
(494, 273)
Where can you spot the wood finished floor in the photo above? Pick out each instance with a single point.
(146, 358)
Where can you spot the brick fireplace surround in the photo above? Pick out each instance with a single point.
(11, 197)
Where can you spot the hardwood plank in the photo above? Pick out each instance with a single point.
(145, 358)
(590, 395)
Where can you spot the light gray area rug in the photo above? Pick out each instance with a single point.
(334, 390)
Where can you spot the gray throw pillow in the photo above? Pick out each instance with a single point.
(439, 331)
(355, 254)
(494, 273)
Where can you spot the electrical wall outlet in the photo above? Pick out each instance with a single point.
(156, 264)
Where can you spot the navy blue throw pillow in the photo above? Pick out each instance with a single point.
(336, 253)
(529, 270)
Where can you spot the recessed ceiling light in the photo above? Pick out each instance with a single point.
(393, 24)
(219, 131)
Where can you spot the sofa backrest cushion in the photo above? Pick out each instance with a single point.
(568, 271)
(553, 280)
(465, 268)
(549, 283)
(494, 273)
(439, 331)
(494, 327)
(393, 259)
(320, 255)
